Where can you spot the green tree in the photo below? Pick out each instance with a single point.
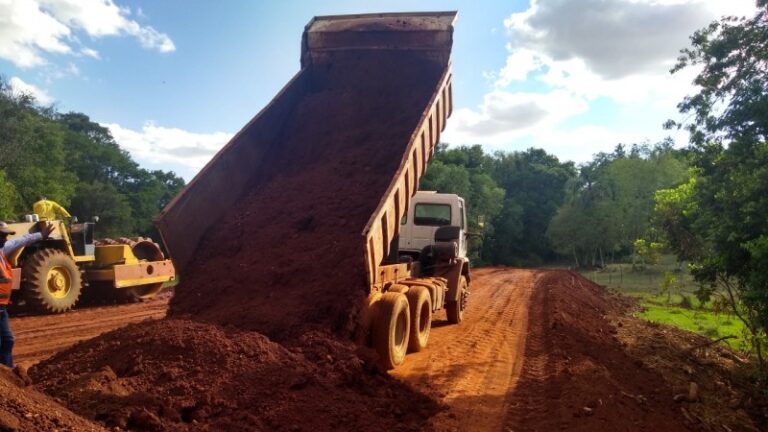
(729, 199)
(77, 163)
(8, 198)
(534, 184)
(103, 200)
(610, 203)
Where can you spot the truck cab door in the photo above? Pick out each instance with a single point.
(463, 224)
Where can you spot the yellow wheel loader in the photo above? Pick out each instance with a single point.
(51, 274)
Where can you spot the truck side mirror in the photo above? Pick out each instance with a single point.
(448, 233)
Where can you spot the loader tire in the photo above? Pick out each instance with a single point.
(455, 309)
(53, 281)
(390, 329)
(421, 317)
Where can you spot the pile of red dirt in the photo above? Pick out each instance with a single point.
(23, 408)
(180, 375)
(577, 375)
(729, 397)
(290, 258)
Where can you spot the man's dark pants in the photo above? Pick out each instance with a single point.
(6, 339)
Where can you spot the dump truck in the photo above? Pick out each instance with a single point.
(50, 275)
(402, 292)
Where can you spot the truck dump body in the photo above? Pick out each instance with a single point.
(285, 228)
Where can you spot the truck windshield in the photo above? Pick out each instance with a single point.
(432, 214)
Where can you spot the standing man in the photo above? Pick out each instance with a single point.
(6, 277)
(48, 210)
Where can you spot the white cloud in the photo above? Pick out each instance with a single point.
(90, 53)
(578, 52)
(162, 145)
(580, 143)
(31, 29)
(19, 87)
(613, 38)
(520, 63)
(504, 116)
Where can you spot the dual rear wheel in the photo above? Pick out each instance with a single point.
(402, 322)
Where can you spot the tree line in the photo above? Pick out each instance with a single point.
(532, 209)
(76, 162)
(707, 203)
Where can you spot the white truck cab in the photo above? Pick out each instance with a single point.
(429, 211)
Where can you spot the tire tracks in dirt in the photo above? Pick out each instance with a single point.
(473, 367)
(39, 337)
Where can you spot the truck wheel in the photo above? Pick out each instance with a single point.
(53, 282)
(390, 329)
(421, 318)
(455, 309)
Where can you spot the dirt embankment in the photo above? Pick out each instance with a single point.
(24, 408)
(576, 374)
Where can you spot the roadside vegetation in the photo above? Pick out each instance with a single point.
(704, 205)
(666, 293)
(75, 162)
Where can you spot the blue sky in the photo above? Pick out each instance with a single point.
(174, 80)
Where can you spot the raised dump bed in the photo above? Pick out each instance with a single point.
(290, 226)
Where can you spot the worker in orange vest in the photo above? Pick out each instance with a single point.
(6, 278)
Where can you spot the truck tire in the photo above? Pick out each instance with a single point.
(390, 329)
(53, 282)
(455, 309)
(421, 317)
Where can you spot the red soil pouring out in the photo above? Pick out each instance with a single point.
(290, 256)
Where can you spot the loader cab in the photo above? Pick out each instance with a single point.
(428, 212)
(81, 236)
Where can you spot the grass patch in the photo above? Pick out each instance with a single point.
(703, 322)
(676, 306)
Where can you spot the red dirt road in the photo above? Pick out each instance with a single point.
(539, 350)
(39, 337)
(472, 367)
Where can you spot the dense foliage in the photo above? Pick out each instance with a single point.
(719, 219)
(610, 202)
(511, 197)
(532, 209)
(77, 163)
